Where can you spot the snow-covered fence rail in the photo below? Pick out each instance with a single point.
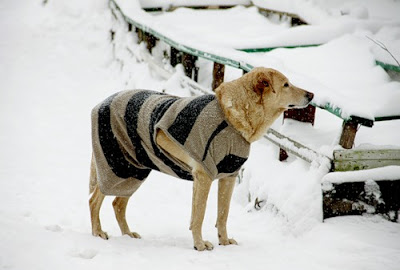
(190, 53)
(336, 200)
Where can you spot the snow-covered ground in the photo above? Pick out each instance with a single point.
(56, 63)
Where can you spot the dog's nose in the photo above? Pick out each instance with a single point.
(310, 96)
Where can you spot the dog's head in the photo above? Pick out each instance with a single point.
(274, 89)
(252, 102)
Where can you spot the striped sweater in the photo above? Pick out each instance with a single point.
(124, 129)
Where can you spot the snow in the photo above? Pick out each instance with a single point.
(166, 3)
(384, 173)
(348, 51)
(317, 11)
(57, 62)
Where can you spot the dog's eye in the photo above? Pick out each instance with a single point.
(286, 85)
(265, 83)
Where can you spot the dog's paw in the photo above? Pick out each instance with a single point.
(227, 241)
(134, 235)
(101, 234)
(203, 245)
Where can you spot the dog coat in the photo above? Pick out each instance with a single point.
(125, 150)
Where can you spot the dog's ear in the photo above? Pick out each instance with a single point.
(263, 83)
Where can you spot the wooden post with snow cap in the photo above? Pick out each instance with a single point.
(218, 75)
(306, 115)
(348, 136)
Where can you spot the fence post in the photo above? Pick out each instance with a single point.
(188, 62)
(218, 75)
(348, 136)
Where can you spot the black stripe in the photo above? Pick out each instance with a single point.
(156, 115)
(186, 118)
(109, 144)
(221, 127)
(131, 119)
(230, 164)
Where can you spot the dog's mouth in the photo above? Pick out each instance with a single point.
(308, 97)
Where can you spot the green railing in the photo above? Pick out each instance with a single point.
(247, 67)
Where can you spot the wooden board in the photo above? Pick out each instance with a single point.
(351, 160)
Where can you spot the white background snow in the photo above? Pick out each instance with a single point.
(56, 63)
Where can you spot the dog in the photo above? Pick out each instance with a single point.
(196, 138)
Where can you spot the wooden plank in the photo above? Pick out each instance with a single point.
(218, 75)
(368, 154)
(356, 198)
(355, 165)
(352, 160)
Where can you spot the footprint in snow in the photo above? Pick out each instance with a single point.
(83, 254)
(53, 228)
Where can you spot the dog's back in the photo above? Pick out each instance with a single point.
(124, 129)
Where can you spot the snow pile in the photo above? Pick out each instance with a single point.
(317, 11)
(349, 58)
(58, 62)
(384, 173)
(192, 3)
(309, 68)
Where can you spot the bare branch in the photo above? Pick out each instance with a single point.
(380, 44)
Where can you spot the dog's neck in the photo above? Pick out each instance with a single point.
(246, 119)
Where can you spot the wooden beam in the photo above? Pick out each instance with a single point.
(218, 75)
(348, 135)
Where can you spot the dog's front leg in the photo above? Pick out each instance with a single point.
(201, 188)
(225, 190)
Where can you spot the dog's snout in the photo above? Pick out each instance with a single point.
(309, 96)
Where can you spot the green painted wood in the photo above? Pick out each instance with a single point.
(356, 165)
(353, 160)
(259, 50)
(386, 66)
(187, 49)
(387, 118)
(368, 154)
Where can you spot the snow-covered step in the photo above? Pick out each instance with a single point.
(374, 191)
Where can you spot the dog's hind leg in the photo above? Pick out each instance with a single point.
(119, 205)
(95, 202)
(225, 190)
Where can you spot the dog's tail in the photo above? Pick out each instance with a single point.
(93, 176)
